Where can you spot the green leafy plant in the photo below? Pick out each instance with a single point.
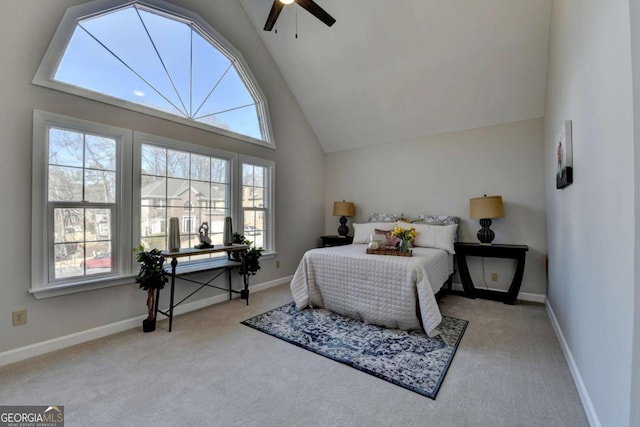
(252, 258)
(151, 276)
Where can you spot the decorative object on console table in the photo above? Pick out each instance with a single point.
(336, 240)
(517, 252)
(486, 208)
(343, 210)
(203, 235)
(174, 234)
(564, 149)
(227, 237)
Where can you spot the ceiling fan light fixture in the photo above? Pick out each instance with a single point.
(286, 1)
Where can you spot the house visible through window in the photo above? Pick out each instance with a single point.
(182, 179)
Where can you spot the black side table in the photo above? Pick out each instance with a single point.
(517, 252)
(336, 240)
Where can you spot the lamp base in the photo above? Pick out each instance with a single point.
(343, 230)
(485, 234)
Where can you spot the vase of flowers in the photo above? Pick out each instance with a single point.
(405, 235)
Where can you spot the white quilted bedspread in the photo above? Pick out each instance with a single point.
(390, 291)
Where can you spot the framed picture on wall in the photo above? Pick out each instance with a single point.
(564, 150)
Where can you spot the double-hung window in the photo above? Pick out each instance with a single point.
(79, 201)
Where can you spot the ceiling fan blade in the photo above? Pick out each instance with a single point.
(276, 8)
(313, 8)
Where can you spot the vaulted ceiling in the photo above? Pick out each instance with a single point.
(393, 71)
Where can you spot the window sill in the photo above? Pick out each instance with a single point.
(58, 290)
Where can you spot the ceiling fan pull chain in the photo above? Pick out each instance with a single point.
(296, 23)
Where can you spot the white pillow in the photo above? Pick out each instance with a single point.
(433, 236)
(362, 232)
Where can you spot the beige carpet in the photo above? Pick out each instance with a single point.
(213, 371)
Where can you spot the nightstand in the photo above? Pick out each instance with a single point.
(336, 240)
(517, 252)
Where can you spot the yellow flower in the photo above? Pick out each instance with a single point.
(404, 234)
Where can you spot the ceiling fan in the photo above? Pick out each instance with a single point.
(310, 5)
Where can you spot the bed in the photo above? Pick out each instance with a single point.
(390, 291)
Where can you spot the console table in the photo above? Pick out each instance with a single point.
(517, 252)
(224, 265)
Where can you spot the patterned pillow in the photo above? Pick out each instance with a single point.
(383, 217)
(439, 219)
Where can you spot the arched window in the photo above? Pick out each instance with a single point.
(154, 57)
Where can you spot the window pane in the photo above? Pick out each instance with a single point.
(98, 224)
(65, 148)
(154, 160)
(242, 120)
(100, 186)
(153, 221)
(100, 153)
(98, 258)
(219, 170)
(200, 167)
(65, 184)
(209, 66)
(177, 193)
(153, 190)
(177, 164)
(254, 227)
(68, 260)
(230, 93)
(68, 225)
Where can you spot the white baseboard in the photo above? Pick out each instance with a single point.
(524, 296)
(590, 411)
(37, 349)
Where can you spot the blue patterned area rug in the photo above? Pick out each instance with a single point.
(409, 359)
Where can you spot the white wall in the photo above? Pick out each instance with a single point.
(439, 174)
(635, 55)
(590, 224)
(25, 31)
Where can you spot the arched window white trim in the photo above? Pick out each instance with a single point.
(200, 29)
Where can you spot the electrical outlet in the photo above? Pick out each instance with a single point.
(277, 263)
(494, 277)
(19, 317)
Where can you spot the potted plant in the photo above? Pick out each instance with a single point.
(252, 257)
(151, 277)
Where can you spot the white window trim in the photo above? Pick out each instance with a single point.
(40, 257)
(46, 70)
(270, 165)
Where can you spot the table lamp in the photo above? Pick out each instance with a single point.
(485, 208)
(343, 209)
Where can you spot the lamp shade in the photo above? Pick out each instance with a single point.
(486, 207)
(343, 209)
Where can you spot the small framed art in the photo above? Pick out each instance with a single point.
(564, 151)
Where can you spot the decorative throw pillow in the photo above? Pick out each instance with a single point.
(434, 236)
(389, 239)
(362, 232)
(385, 217)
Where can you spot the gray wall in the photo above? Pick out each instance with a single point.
(25, 31)
(591, 229)
(635, 370)
(439, 174)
